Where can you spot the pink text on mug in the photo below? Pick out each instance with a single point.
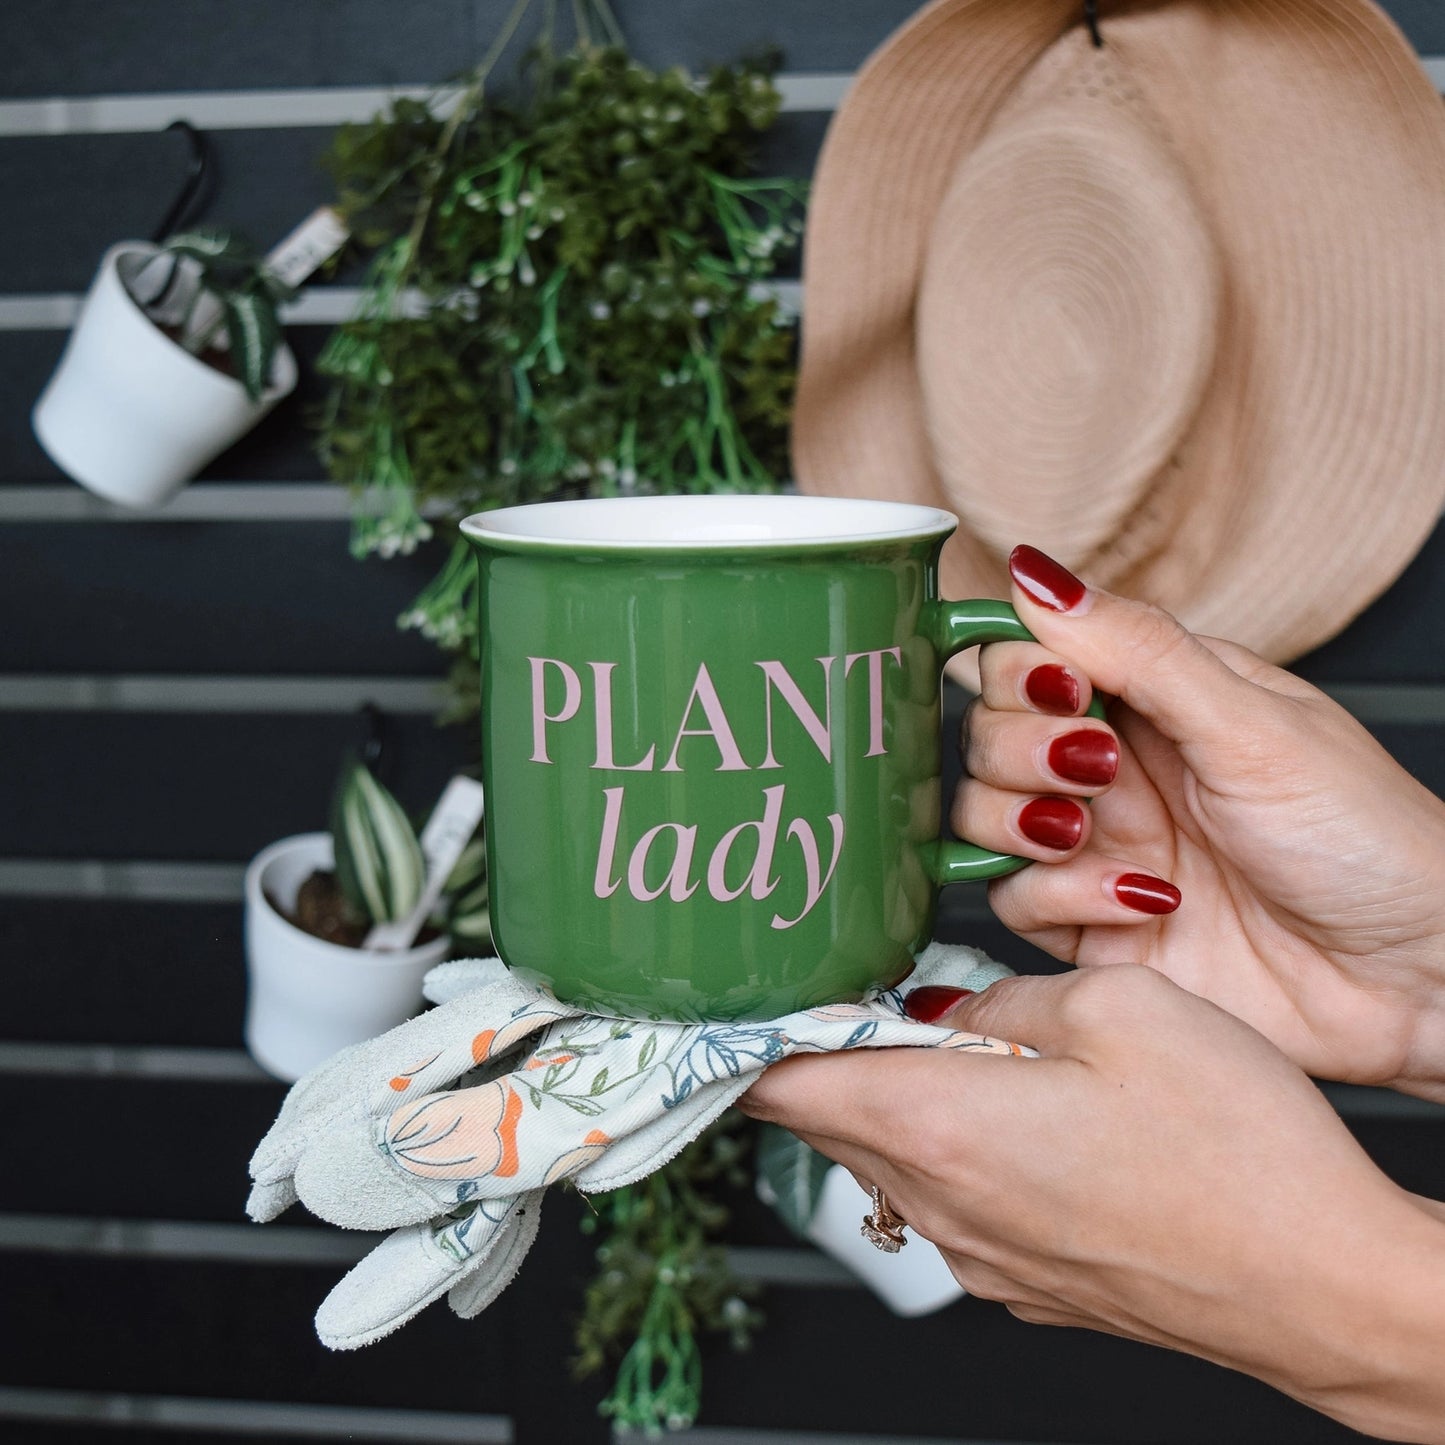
(679, 881)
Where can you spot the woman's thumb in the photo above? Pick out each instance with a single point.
(1133, 651)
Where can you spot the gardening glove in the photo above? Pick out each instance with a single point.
(451, 1127)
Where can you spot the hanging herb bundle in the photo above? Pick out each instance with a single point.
(661, 1276)
(567, 299)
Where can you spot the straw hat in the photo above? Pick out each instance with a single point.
(1171, 308)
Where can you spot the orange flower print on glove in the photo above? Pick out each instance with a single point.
(461, 1135)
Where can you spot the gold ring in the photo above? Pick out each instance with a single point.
(882, 1228)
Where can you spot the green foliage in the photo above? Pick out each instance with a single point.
(379, 863)
(565, 300)
(234, 274)
(792, 1174)
(380, 867)
(661, 1280)
(567, 297)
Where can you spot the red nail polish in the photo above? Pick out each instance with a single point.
(932, 1001)
(1089, 757)
(1052, 688)
(1145, 894)
(1046, 581)
(1052, 822)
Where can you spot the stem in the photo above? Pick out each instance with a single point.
(468, 101)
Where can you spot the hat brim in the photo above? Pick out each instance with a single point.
(1312, 471)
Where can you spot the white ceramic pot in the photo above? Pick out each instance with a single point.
(131, 414)
(307, 998)
(915, 1281)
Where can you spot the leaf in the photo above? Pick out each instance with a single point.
(581, 1106)
(401, 864)
(379, 862)
(207, 246)
(648, 1051)
(599, 1083)
(254, 335)
(794, 1175)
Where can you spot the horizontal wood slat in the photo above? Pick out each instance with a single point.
(973, 1371)
(171, 974)
(187, 786)
(245, 1332)
(118, 186)
(56, 47)
(239, 1332)
(39, 1417)
(286, 598)
(270, 598)
(177, 1149)
(113, 972)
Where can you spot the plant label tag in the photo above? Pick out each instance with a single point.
(451, 825)
(314, 242)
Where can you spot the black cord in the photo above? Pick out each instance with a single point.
(1091, 19)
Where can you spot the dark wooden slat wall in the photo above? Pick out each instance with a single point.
(123, 828)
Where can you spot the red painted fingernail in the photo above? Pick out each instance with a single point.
(1088, 756)
(932, 1001)
(1145, 894)
(1052, 688)
(1052, 822)
(1046, 581)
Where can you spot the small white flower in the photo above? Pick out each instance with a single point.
(599, 310)
(507, 208)
(476, 200)
(525, 198)
(508, 466)
(702, 307)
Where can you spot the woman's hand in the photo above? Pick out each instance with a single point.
(1311, 865)
(1161, 1173)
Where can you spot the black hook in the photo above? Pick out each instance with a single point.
(373, 720)
(189, 200)
(1091, 19)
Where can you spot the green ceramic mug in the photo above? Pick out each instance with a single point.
(710, 746)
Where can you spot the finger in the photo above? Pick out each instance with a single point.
(1137, 652)
(1057, 1015)
(1046, 829)
(868, 1099)
(1026, 753)
(1027, 677)
(1092, 890)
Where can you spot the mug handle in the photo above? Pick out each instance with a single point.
(957, 625)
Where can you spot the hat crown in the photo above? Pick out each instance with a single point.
(1067, 311)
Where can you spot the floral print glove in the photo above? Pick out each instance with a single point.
(449, 1129)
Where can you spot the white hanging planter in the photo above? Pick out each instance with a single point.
(915, 1281)
(130, 413)
(307, 998)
